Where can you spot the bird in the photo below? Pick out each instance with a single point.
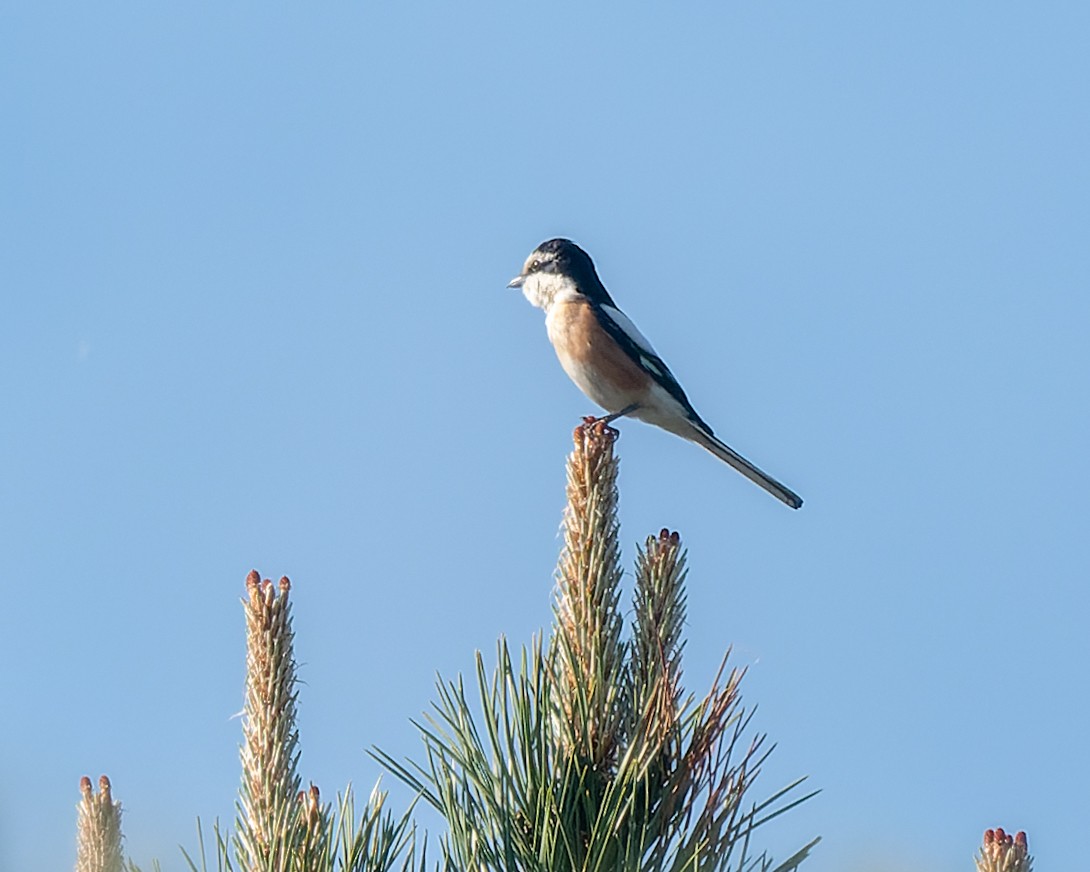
(611, 361)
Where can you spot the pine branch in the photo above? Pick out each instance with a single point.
(98, 829)
(268, 825)
(655, 669)
(590, 757)
(279, 827)
(1002, 852)
(587, 647)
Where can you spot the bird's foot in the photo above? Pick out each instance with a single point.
(613, 416)
(602, 424)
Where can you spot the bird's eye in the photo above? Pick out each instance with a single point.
(535, 265)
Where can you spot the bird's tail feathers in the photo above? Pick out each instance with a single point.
(727, 454)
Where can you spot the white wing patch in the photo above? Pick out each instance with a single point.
(650, 363)
(625, 323)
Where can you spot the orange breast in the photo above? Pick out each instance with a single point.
(597, 364)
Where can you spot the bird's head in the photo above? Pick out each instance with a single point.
(555, 269)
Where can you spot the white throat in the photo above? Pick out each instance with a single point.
(545, 289)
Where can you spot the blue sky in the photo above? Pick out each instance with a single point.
(253, 264)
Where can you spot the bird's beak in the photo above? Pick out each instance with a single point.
(516, 282)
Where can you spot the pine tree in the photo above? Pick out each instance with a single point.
(587, 754)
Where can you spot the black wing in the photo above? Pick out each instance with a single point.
(637, 346)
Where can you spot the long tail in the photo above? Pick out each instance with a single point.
(727, 454)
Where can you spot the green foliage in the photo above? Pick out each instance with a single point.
(513, 799)
(335, 841)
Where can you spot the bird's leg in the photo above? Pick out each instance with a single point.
(627, 410)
